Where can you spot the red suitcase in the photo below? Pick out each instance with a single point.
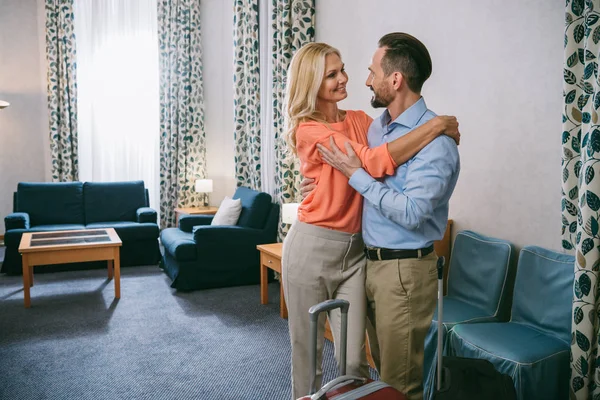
(345, 387)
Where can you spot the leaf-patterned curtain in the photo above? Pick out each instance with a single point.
(62, 89)
(182, 136)
(294, 26)
(246, 100)
(581, 187)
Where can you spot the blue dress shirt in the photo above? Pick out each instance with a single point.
(408, 210)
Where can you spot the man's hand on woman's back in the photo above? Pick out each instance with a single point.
(306, 186)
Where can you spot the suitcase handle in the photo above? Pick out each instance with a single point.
(314, 313)
(337, 381)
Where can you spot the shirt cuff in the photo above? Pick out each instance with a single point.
(360, 180)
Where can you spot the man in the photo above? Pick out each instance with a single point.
(402, 215)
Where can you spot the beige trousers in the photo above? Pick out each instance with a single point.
(320, 264)
(401, 299)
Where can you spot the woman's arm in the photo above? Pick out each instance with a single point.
(379, 161)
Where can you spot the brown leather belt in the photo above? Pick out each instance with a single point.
(376, 253)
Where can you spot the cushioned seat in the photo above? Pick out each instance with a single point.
(12, 238)
(534, 346)
(129, 231)
(199, 255)
(480, 282)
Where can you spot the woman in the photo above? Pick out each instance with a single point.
(323, 252)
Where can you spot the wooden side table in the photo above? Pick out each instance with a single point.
(194, 211)
(270, 257)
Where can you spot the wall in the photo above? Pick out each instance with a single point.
(217, 43)
(24, 129)
(498, 67)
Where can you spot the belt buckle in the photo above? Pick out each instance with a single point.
(379, 253)
(419, 253)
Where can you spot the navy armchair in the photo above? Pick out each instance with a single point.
(201, 256)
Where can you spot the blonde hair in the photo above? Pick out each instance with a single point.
(304, 79)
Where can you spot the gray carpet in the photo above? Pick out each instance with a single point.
(78, 342)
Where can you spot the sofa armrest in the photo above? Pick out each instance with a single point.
(215, 235)
(146, 214)
(17, 220)
(187, 222)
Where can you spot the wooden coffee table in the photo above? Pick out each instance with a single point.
(62, 247)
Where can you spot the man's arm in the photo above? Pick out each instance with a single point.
(428, 179)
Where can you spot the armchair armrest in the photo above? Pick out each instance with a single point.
(17, 220)
(216, 235)
(187, 222)
(146, 214)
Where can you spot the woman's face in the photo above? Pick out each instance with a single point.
(333, 86)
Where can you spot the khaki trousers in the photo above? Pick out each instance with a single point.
(320, 264)
(401, 299)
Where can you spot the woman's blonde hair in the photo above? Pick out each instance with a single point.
(304, 79)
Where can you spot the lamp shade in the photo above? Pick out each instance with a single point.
(204, 186)
(4, 104)
(289, 212)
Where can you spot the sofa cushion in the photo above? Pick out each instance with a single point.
(255, 207)
(179, 244)
(12, 238)
(129, 231)
(51, 203)
(112, 201)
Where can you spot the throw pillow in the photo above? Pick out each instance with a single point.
(228, 212)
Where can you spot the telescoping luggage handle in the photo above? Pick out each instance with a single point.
(440, 349)
(314, 313)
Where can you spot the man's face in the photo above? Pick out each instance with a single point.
(333, 86)
(383, 93)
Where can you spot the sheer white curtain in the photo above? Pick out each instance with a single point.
(267, 153)
(118, 97)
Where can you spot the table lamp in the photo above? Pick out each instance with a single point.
(204, 186)
(289, 212)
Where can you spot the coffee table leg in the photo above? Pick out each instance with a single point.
(31, 276)
(110, 269)
(117, 268)
(264, 290)
(26, 281)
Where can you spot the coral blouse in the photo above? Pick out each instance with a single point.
(334, 204)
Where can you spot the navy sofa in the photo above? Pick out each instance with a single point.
(198, 255)
(76, 205)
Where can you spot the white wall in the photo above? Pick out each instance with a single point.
(497, 65)
(24, 146)
(217, 42)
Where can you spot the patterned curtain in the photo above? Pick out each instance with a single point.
(182, 137)
(62, 89)
(246, 100)
(294, 26)
(581, 188)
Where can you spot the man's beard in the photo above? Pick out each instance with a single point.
(379, 100)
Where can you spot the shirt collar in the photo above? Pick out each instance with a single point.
(409, 118)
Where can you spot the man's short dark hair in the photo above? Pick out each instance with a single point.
(407, 55)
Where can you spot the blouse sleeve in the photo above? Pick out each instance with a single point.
(376, 161)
